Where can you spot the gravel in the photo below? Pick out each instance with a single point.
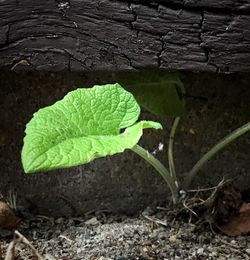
(106, 237)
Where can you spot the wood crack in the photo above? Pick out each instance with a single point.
(202, 43)
(8, 34)
(193, 6)
(118, 35)
(160, 53)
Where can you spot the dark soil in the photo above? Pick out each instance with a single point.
(152, 235)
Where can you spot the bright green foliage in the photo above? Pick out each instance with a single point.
(158, 92)
(84, 125)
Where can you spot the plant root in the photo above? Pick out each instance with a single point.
(201, 196)
(212, 205)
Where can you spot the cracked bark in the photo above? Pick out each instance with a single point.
(83, 35)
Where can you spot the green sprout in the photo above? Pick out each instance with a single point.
(91, 123)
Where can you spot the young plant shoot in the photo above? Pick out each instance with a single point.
(90, 123)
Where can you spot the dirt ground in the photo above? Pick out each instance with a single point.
(154, 234)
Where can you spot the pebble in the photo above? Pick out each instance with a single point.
(87, 235)
(248, 251)
(59, 220)
(173, 238)
(200, 251)
(92, 222)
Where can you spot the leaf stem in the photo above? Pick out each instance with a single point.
(214, 150)
(170, 150)
(160, 168)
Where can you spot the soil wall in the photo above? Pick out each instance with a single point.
(216, 104)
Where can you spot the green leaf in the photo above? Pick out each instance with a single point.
(84, 125)
(158, 92)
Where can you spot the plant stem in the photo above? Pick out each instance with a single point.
(214, 150)
(160, 168)
(170, 150)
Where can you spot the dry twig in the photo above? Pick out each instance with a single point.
(155, 220)
(18, 239)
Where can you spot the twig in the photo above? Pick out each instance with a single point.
(1, 251)
(231, 248)
(157, 221)
(188, 208)
(67, 239)
(10, 254)
(162, 208)
(229, 244)
(202, 190)
(18, 239)
(23, 239)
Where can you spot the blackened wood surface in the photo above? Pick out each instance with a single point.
(200, 35)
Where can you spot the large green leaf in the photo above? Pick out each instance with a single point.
(84, 125)
(158, 92)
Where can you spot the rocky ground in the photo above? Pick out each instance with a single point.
(158, 235)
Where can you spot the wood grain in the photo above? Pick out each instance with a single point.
(86, 35)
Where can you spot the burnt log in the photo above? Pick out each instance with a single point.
(84, 35)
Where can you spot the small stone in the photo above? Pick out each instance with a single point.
(213, 254)
(248, 251)
(173, 238)
(92, 221)
(191, 131)
(87, 235)
(200, 251)
(59, 221)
